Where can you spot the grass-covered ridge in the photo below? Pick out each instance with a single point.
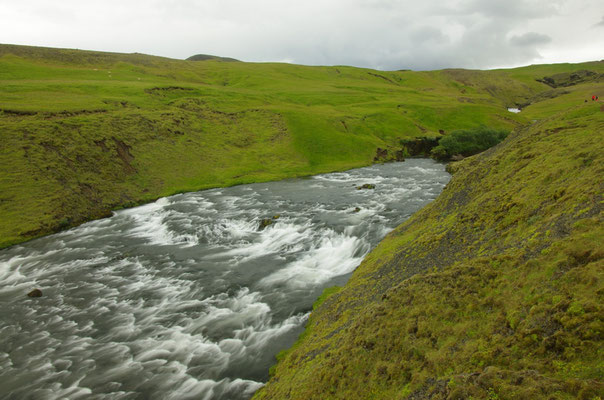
(82, 133)
(493, 291)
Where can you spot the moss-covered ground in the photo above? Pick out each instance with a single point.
(83, 133)
(493, 291)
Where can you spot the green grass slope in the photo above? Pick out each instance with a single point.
(82, 133)
(493, 291)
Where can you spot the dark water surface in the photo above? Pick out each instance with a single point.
(185, 297)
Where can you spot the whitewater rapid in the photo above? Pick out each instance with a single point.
(186, 297)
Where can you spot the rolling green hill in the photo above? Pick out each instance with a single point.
(493, 291)
(84, 132)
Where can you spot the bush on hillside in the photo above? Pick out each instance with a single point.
(468, 142)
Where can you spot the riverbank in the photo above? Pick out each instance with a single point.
(495, 290)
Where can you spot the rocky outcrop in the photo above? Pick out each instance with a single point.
(383, 155)
(420, 146)
(566, 79)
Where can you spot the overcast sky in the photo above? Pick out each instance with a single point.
(382, 34)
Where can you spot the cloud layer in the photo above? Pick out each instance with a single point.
(383, 34)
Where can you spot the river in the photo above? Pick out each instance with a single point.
(188, 297)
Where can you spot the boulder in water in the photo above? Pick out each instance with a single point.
(264, 223)
(268, 221)
(366, 186)
(35, 293)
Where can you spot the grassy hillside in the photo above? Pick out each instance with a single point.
(493, 291)
(83, 133)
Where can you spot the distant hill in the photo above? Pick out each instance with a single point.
(206, 57)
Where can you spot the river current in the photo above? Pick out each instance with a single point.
(188, 297)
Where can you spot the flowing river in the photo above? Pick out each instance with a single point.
(188, 297)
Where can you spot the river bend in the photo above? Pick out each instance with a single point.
(188, 297)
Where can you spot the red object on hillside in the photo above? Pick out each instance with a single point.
(593, 97)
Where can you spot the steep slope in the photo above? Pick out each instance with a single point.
(82, 133)
(495, 290)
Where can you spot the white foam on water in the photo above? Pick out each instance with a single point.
(346, 177)
(209, 389)
(10, 273)
(165, 351)
(150, 224)
(279, 238)
(226, 231)
(197, 199)
(374, 179)
(59, 392)
(422, 170)
(336, 177)
(175, 349)
(90, 230)
(384, 230)
(373, 206)
(21, 274)
(333, 256)
(232, 312)
(404, 193)
(235, 202)
(257, 339)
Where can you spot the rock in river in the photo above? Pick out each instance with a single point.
(366, 186)
(35, 293)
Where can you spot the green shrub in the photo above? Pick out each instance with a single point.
(468, 142)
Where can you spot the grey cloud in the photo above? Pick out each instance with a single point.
(523, 9)
(428, 34)
(376, 4)
(601, 23)
(384, 34)
(530, 39)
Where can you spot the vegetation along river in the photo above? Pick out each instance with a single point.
(188, 297)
